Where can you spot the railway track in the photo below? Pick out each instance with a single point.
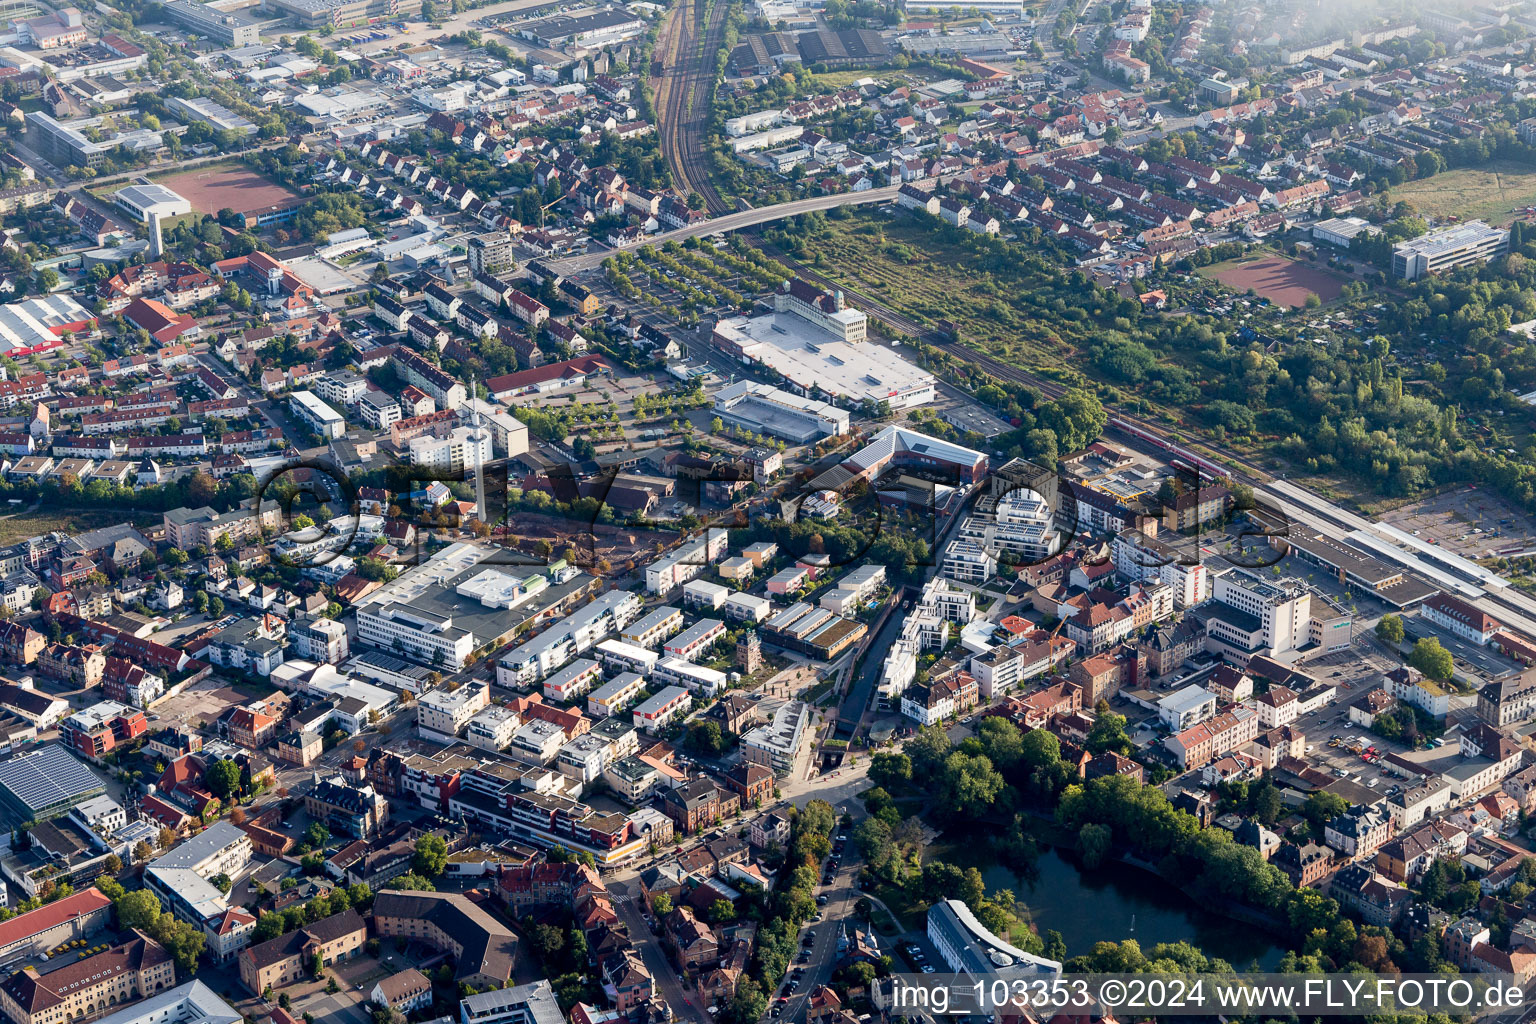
(684, 93)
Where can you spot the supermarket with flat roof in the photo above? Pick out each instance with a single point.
(810, 359)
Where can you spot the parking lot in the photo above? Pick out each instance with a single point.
(1468, 521)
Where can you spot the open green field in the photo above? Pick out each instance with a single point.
(22, 525)
(906, 265)
(831, 81)
(1495, 192)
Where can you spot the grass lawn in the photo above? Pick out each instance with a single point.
(46, 520)
(1493, 192)
(830, 81)
(904, 264)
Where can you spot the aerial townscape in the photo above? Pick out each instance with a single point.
(694, 511)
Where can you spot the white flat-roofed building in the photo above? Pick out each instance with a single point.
(1341, 231)
(810, 359)
(968, 947)
(746, 124)
(864, 581)
(682, 564)
(631, 779)
(1438, 251)
(447, 712)
(1021, 523)
(454, 452)
(537, 741)
(706, 682)
(232, 28)
(572, 681)
(180, 876)
(575, 634)
(39, 322)
(315, 414)
(215, 115)
(765, 409)
(509, 435)
(143, 200)
(747, 607)
(1186, 707)
(658, 711)
(616, 654)
(378, 410)
(703, 594)
(492, 728)
(967, 562)
(585, 757)
(1282, 610)
(533, 1003)
(839, 601)
(616, 694)
(655, 627)
(497, 589)
(777, 743)
(695, 640)
(428, 637)
(192, 1003)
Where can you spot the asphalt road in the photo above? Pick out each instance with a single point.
(627, 903)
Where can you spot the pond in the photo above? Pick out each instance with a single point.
(1115, 902)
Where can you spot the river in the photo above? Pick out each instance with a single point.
(1119, 902)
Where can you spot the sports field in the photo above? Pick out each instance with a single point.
(1495, 192)
(238, 188)
(1282, 281)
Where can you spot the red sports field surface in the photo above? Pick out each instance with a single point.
(238, 189)
(1282, 281)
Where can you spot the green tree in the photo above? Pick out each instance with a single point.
(1389, 630)
(968, 785)
(1108, 732)
(1094, 843)
(431, 855)
(1432, 659)
(222, 777)
(927, 751)
(662, 905)
(182, 940)
(888, 770)
(1001, 741)
(749, 1002)
(705, 737)
(138, 909)
(1321, 808)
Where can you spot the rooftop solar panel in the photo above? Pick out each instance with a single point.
(47, 777)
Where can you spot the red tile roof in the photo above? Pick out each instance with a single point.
(54, 914)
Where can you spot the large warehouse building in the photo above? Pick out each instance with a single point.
(38, 324)
(817, 343)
